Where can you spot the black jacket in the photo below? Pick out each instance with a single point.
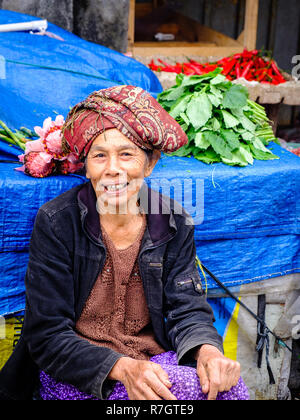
(66, 256)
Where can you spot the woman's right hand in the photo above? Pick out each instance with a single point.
(143, 380)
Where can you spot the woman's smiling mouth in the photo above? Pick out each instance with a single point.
(115, 189)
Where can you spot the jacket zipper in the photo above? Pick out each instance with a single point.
(181, 283)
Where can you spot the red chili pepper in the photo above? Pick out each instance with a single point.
(276, 70)
(246, 70)
(227, 69)
(237, 56)
(262, 76)
(238, 71)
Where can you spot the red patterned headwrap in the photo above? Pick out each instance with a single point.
(131, 110)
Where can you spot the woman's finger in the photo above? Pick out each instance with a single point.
(233, 375)
(215, 379)
(204, 380)
(159, 387)
(162, 375)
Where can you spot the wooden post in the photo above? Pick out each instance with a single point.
(251, 24)
(131, 25)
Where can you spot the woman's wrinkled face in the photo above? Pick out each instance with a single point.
(117, 168)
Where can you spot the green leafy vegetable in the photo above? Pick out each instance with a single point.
(222, 124)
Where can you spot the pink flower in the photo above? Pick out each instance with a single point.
(70, 164)
(44, 156)
(34, 146)
(38, 164)
(51, 136)
(42, 131)
(53, 141)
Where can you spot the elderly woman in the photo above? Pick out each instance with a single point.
(115, 308)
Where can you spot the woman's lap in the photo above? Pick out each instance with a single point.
(186, 385)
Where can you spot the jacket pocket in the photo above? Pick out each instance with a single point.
(189, 283)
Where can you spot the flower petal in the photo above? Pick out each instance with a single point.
(48, 123)
(20, 168)
(34, 146)
(59, 120)
(47, 157)
(39, 131)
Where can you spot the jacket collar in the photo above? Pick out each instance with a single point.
(161, 225)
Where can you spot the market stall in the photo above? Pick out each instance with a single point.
(246, 218)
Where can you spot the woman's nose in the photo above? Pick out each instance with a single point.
(113, 165)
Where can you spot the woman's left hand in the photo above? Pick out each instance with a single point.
(217, 373)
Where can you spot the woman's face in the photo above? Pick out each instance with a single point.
(117, 168)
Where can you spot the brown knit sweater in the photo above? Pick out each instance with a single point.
(116, 314)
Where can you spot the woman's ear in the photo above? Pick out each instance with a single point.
(152, 162)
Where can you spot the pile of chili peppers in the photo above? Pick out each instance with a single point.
(250, 65)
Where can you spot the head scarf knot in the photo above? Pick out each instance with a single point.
(131, 110)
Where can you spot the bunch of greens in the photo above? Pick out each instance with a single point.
(222, 124)
(18, 138)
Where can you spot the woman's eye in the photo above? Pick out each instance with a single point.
(126, 154)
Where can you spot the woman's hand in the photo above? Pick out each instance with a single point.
(143, 380)
(217, 373)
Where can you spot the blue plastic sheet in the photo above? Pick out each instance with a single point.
(247, 220)
(46, 76)
(245, 236)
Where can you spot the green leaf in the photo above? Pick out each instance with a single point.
(218, 144)
(216, 92)
(199, 110)
(215, 124)
(179, 79)
(246, 154)
(260, 155)
(209, 156)
(173, 94)
(182, 152)
(195, 80)
(229, 120)
(258, 144)
(201, 141)
(231, 138)
(218, 79)
(185, 118)
(246, 135)
(236, 97)
(247, 124)
(240, 157)
(214, 100)
(180, 106)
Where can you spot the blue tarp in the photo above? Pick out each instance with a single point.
(50, 76)
(246, 219)
(249, 226)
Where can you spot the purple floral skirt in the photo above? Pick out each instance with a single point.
(186, 385)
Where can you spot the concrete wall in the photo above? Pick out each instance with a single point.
(101, 21)
(61, 15)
